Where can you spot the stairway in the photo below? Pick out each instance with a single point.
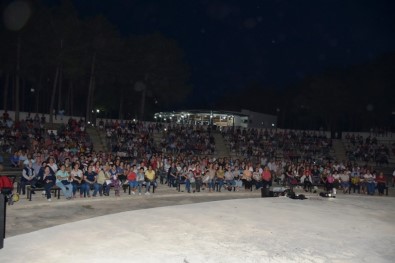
(98, 139)
(340, 150)
(157, 136)
(220, 147)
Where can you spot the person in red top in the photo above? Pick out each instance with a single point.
(381, 181)
(266, 177)
(131, 176)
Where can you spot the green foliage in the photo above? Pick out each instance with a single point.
(57, 37)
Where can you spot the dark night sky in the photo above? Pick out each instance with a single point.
(229, 44)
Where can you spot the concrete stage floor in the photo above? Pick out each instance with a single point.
(190, 228)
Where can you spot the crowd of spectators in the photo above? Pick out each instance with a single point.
(272, 144)
(184, 156)
(129, 138)
(191, 139)
(366, 150)
(22, 139)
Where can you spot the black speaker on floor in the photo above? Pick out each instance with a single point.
(2, 219)
(265, 192)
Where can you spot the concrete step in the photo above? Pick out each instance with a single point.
(339, 149)
(97, 138)
(220, 146)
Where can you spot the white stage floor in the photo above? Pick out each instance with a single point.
(345, 229)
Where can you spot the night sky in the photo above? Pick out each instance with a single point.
(229, 44)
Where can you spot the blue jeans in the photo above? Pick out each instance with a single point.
(371, 188)
(67, 189)
(77, 186)
(188, 185)
(148, 185)
(220, 183)
(133, 184)
(88, 186)
(230, 183)
(139, 186)
(47, 188)
(211, 184)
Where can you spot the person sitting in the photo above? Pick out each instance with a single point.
(220, 177)
(28, 177)
(63, 181)
(48, 181)
(307, 182)
(114, 181)
(14, 159)
(103, 177)
(90, 178)
(369, 180)
(345, 181)
(190, 181)
(132, 178)
(230, 178)
(77, 179)
(381, 183)
(172, 175)
(149, 180)
(247, 177)
(266, 177)
(257, 177)
(140, 177)
(182, 178)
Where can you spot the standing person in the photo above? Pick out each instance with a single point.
(48, 180)
(381, 181)
(63, 181)
(149, 180)
(90, 179)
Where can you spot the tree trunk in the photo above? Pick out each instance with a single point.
(5, 92)
(55, 83)
(68, 98)
(143, 93)
(37, 93)
(17, 84)
(121, 104)
(60, 90)
(89, 100)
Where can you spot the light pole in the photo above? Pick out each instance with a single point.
(30, 99)
(278, 114)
